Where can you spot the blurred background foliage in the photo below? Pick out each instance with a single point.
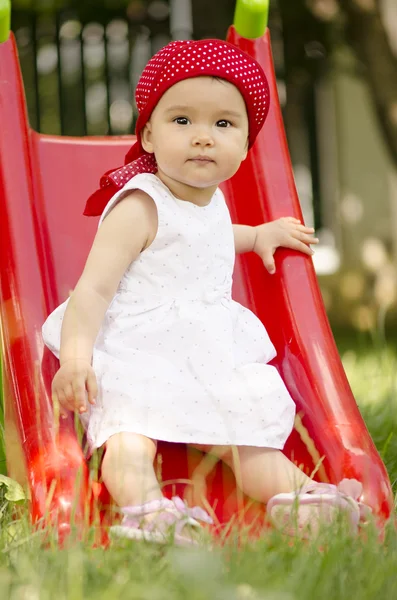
(336, 67)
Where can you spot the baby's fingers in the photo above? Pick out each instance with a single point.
(70, 397)
(92, 388)
(304, 234)
(268, 260)
(80, 400)
(65, 399)
(300, 246)
(305, 229)
(308, 239)
(59, 404)
(291, 220)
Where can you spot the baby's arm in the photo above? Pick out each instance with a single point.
(244, 238)
(128, 229)
(266, 238)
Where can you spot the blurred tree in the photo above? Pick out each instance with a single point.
(311, 30)
(314, 28)
(367, 35)
(212, 19)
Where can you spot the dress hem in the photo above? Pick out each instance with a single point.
(182, 440)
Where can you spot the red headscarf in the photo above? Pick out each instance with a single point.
(175, 62)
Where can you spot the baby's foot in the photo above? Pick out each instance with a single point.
(162, 521)
(303, 512)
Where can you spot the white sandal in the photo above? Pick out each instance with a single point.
(169, 522)
(301, 513)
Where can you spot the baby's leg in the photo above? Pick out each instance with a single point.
(128, 473)
(127, 469)
(295, 503)
(261, 473)
(268, 476)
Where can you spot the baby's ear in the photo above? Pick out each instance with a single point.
(146, 138)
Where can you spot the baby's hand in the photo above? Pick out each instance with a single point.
(74, 384)
(287, 232)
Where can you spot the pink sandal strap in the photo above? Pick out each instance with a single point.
(196, 513)
(354, 489)
(347, 489)
(169, 514)
(141, 510)
(346, 496)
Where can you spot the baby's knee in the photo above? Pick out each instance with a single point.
(124, 445)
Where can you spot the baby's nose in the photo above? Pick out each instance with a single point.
(203, 138)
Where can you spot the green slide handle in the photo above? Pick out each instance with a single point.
(251, 17)
(5, 20)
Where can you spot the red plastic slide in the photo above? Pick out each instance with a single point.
(44, 182)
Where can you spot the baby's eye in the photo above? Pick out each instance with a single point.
(182, 120)
(223, 123)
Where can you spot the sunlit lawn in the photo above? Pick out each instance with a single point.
(274, 568)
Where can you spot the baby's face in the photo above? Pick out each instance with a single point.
(198, 132)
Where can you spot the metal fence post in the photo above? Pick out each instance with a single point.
(181, 19)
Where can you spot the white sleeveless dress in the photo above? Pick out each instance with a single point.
(176, 358)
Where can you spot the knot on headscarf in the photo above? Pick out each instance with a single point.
(175, 62)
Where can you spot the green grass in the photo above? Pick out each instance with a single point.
(373, 378)
(333, 567)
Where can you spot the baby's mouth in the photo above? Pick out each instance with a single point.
(202, 159)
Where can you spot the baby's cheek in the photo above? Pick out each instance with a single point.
(233, 159)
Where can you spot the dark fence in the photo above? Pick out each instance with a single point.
(80, 64)
(80, 67)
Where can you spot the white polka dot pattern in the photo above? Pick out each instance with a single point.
(183, 59)
(175, 62)
(143, 164)
(176, 358)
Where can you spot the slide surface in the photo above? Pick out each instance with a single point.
(44, 182)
